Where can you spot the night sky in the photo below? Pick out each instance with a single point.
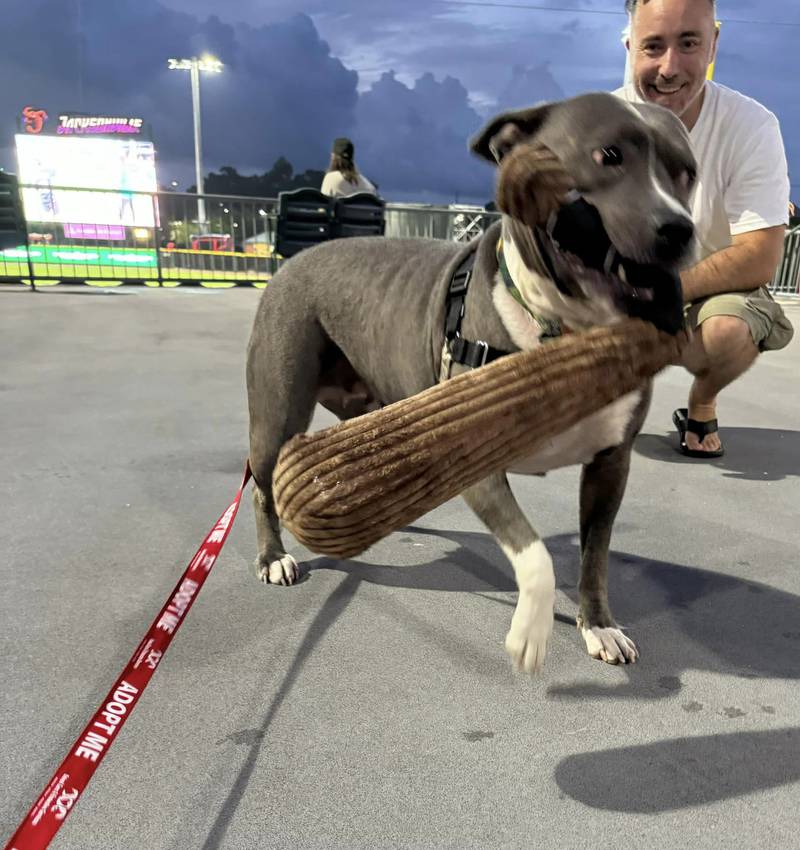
(408, 81)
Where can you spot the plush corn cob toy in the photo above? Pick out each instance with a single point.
(342, 489)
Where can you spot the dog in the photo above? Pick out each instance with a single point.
(594, 194)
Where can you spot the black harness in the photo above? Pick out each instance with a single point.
(456, 348)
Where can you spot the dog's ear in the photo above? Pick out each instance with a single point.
(504, 131)
(531, 182)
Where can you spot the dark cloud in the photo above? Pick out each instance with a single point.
(528, 86)
(413, 140)
(295, 81)
(282, 93)
(287, 96)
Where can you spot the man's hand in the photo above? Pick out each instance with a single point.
(747, 264)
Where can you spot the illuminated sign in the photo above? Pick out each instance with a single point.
(72, 125)
(94, 232)
(100, 256)
(33, 119)
(125, 168)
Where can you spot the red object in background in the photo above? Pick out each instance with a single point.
(212, 242)
(34, 119)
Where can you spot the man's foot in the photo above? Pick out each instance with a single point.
(698, 438)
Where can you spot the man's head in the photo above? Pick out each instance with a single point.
(671, 44)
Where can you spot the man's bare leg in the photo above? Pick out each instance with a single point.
(722, 349)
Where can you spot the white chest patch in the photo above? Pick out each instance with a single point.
(544, 298)
(521, 326)
(581, 442)
(605, 428)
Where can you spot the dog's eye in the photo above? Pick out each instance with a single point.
(687, 178)
(611, 155)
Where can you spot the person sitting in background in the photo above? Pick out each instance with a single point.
(342, 177)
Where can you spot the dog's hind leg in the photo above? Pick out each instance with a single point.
(602, 487)
(283, 366)
(532, 622)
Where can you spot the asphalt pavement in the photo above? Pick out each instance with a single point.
(372, 705)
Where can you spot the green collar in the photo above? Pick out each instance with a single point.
(550, 328)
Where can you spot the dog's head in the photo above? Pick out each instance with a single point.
(602, 188)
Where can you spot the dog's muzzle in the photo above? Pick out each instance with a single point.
(576, 249)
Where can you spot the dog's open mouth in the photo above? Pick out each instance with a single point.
(584, 263)
(573, 274)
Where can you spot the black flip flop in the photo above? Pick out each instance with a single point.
(680, 419)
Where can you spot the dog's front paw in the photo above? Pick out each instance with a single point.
(611, 645)
(531, 627)
(283, 570)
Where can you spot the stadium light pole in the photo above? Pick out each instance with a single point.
(194, 66)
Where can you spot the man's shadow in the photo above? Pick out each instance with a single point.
(751, 454)
(679, 773)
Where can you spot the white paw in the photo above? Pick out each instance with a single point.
(531, 627)
(280, 571)
(610, 645)
(532, 623)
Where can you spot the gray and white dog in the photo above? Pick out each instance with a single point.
(358, 323)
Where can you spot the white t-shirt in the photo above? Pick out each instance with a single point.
(337, 185)
(743, 179)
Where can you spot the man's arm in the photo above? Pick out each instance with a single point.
(748, 263)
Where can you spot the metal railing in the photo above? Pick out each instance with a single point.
(459, 223)
(787, 277)
(163, 242)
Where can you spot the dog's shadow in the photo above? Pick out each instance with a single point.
(682, 617)
(751, 454)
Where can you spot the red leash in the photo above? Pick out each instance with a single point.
(62, 792)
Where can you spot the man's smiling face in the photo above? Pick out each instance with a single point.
(672, 43)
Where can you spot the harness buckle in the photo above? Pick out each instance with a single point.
(484, 346)
(460, 282)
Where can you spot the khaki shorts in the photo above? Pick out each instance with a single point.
(769, 326)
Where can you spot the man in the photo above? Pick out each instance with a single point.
(739, 207)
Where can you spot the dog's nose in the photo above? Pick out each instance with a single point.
(676, 231)
(673, 237)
